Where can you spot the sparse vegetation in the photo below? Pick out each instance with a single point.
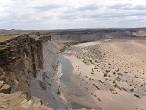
(105, 74)
(68, 44)
(99, 99)
(117, 70)
(136, 95)
(58, 92)
(132, 90)
(119, 74)
(117, 87)
(114, 81)
(96, 86)
(92, 73)
(123, 88)
(107, 71)
(125, 72)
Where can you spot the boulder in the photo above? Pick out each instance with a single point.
(6, 89)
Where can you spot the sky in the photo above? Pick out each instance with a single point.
(71, 14)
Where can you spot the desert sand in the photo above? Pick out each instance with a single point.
(107, 75)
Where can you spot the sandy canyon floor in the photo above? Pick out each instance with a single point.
(107, 75)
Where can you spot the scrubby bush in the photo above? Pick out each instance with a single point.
(136, 95)
(132, 90)
(107, 71)
(58, 92)
(105, 74)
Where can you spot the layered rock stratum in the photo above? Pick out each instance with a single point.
(28, 69)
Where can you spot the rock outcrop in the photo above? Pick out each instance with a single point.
(97, 34)
(26, 62)
(20, 58)
(17, 101)
(11, 101)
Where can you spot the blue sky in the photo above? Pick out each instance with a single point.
(68, 14)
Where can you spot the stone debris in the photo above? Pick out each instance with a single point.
(6, 89)
(11, 101)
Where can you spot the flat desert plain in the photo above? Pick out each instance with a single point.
(108, 75)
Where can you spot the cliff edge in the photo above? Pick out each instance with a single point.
(28, 64)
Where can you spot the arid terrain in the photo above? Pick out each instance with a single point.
(107, 74)
(98, 69)
(72, 54)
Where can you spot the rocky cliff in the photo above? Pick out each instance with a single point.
(46, 85)
(29, 63)
(96, 34)
(20, 58)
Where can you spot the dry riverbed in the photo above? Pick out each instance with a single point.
(108, 75)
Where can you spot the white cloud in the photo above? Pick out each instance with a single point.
(50, 14)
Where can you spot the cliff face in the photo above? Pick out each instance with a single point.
(140, 32)
(90, 35)
(97, 34)
(46, 85)
(20, 60)
(29, 63)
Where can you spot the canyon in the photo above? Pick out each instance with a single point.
(31, 71)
